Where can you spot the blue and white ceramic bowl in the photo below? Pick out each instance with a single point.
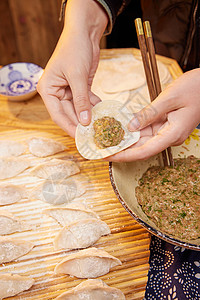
(18, 80)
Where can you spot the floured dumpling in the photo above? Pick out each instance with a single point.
(12, 166)
(70, 213)
(10, 224)
(55, 169)
(92, 289)
(85, 142)
(11, 148)
(10, 193)
(80, 234)
(59, 192)
(43, 147)
(87, 263)
(12, 284)
(12, 248)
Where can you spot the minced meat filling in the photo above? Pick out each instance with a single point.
(108, 132)
(170, 197)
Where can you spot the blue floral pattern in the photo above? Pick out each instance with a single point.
(19, 78)
(174, 272)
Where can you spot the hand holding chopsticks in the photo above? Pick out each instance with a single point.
(151, 71)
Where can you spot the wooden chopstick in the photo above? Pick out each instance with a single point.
(152, 56)
(148, 70)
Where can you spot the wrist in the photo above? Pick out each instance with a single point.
(86, 16)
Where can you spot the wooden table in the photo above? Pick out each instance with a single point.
(128, 241)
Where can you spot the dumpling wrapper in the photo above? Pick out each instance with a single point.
(92, 289)
(87, 263)
(12, 248)
(42, 147)
(11, 148)
(13, 284)
(97, 89)
(10, 193)
(70, 213)
(122, 74)
(55, 169)
(80, 234)
(59, 192)
(10, 224)
(12, 166)
(85, 134)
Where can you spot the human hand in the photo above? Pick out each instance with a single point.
(167, 121)
(65, 85)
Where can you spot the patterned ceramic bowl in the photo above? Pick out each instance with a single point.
(18, 80)
(124, 179)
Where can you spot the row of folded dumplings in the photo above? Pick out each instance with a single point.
(81, 227)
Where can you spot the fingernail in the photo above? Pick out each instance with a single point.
(134, 124)
(84, 117)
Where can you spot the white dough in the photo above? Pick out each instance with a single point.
(12, 166)
(92, 289)
(85, 134)
(12, 248)
(55, 169)
(11, 148)
(121, 74)
(70, 213)
(80, 234)
(87, 263)
(10, 224)
(12, 284)
(10, 193)
(60, 192)
(43, 147)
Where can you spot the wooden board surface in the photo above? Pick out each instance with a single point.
(129, 241)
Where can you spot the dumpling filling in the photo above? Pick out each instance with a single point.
(108, 132)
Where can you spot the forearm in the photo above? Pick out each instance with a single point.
(111, 7)
(86, 16)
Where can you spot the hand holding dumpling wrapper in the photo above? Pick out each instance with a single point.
(85, 142)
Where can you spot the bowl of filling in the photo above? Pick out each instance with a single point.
(165, 200)
(18, 81)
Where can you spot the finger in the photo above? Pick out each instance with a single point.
(156, 111)
(150, 146)
(69, 110)
(58, 115)
(94, 99)
(79, 87)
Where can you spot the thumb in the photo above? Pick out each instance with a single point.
(79, 87)
(155, 111)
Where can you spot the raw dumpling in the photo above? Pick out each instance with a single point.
(43, 147)
(55, 169)
(12, 166)
(11, 249)
(11, 285)
(85, 134)
(92, 289)
(70, 213)
(59, 192)
(10, 193)
(87, 263)
(80, 234)
(11, 148)
(10, 224)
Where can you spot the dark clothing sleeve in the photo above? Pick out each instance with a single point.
(113, 9)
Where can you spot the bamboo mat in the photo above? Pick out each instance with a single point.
(128, 240)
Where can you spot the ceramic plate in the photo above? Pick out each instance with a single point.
(18, 80)
(124, 179)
